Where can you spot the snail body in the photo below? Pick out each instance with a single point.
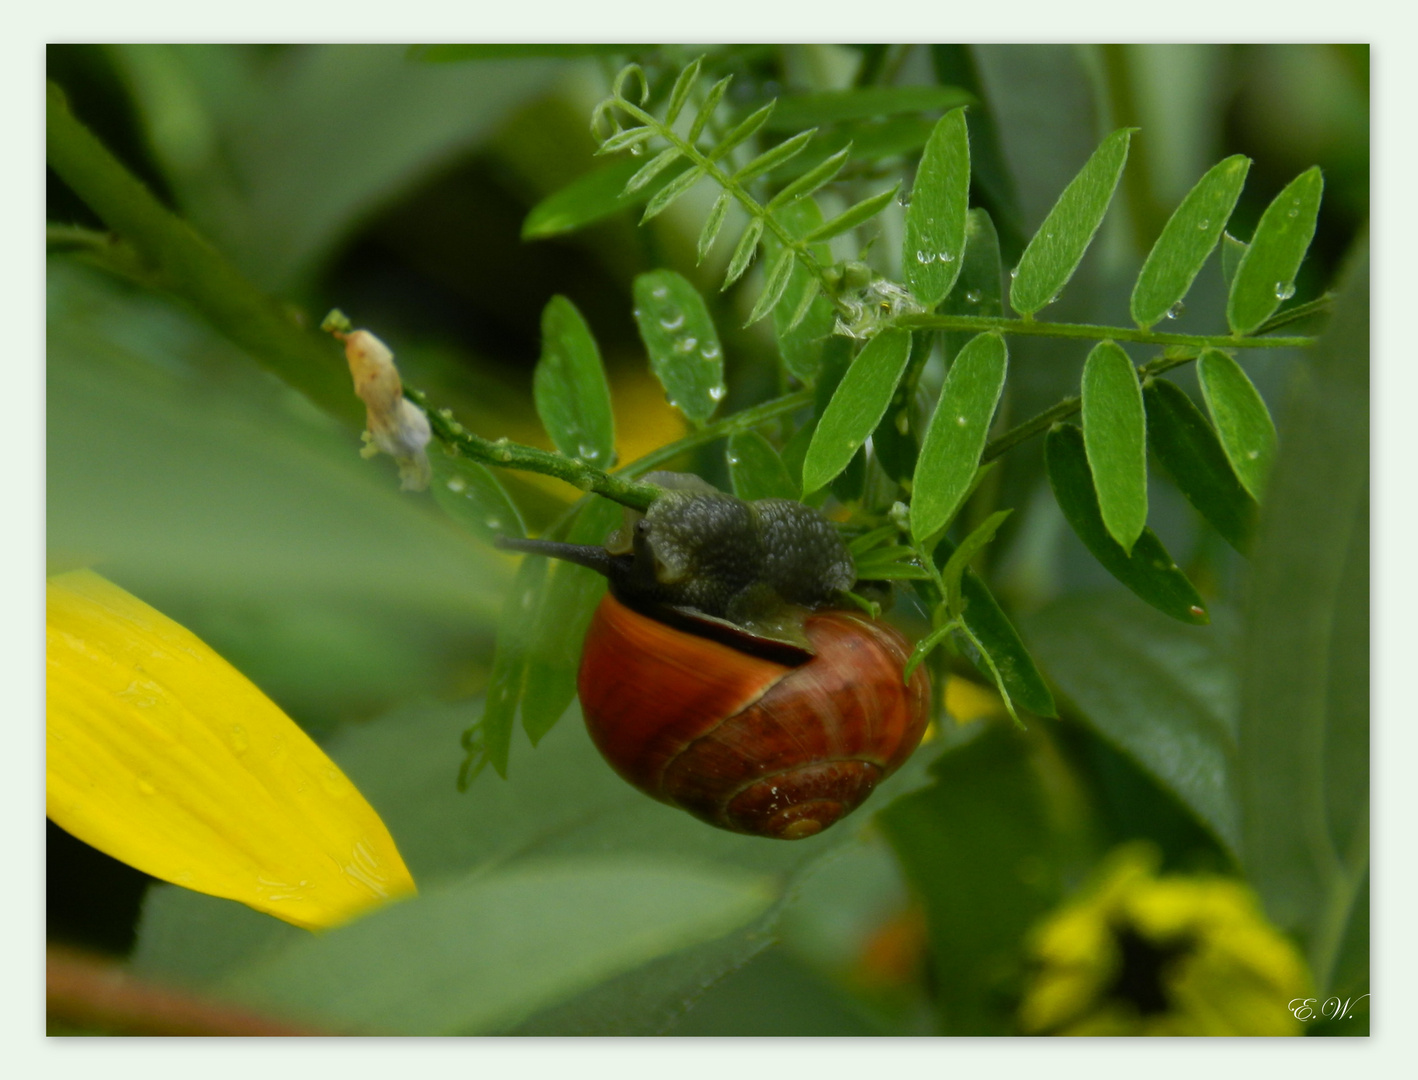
(719, 676)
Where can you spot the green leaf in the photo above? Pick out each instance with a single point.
(1242, 421)
(651, 169)
(1166, 695)
(756, 469)
(485, 952)
(856, 407)
(863, 103)
(1187, 447)
(979, 289)
(956, 434)
(1187, 239)
(706, 111)
(741, 131)
(811, 181)
(743, 253)
(1266, 274)
(489, 741)
(961, 557)
(1232, 252)
(1055, 251)
(770, 159)
(805, 317)
(936, 219)
(570, 389)
(584, 201)
(1115, 436)
(1304, 754)
(712, 224)
(670, 192)
(853, 216)
(679, 335)
(623, 140)
(680, 92)
(473, 496)
(563, 611)
(1149, 570)
(994, 631)
(901, 136)
(778, 277)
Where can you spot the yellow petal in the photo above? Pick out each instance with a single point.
(163, 755)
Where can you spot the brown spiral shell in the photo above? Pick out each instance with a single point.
(749, 744)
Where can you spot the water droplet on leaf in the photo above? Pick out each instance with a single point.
(1176, 309)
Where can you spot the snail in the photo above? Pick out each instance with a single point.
(719, 674)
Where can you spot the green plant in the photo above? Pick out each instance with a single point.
(860, 347)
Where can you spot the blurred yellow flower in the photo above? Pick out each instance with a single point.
(163, 755)
(1138, 954)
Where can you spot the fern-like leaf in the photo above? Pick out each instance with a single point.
(707, 110)
(713, 224)
(778, 276)
(810, 292)
(623, 140)
(812, 180)
(853, 216)
(743, 254)
(741, 131)
(680, 94)
(670, 192)
(651, 169)
(772, 158)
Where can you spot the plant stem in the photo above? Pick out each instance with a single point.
(979, 324)
(184, 262)
(745, 420)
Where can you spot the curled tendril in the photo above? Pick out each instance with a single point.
(626, 73)
(604, 116)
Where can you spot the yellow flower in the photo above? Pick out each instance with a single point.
(1141, 955)
(163, 755)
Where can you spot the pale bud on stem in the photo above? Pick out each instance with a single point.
(396, 425)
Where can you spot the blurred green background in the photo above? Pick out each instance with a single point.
(396, 188)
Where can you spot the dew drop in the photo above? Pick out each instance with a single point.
(1294, 212)
(1284, 290)
(457, 484)
(852, 444)
(1204, 224)
(710, 352)
(732, 459)
(660, 292)
(946, 257)
(1176, 310)
(686, 345)
(925, 258)
(904, 198)
(1196, 610)
(493, 523)
(973, 296)
(637, 150)
(673, 319)
(962, 420)
(1252, 454)
(1014, 273)
(716, 393)
(1048, 236)
(587, 452)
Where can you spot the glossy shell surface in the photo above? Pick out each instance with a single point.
(744, 743)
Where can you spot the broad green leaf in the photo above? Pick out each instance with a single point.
(712, 224)
(679, 94)
(472, 495)
(979, 288)
(593, 197)
(558, 627)
(1187, 447)
(956, 435)
(684, 349)
(936, 219)
(570, 389)
(651, 169)
(856, 407)
(1149, 570)
(741, 131)
(1187, 239)
(661, 200)
(993, 629)
(483, 953)
(853, 216)
(1165, 694)
(1055, 251)
(1242, 421)
(756, 469)
(779, 274)
(961, 557)
(1303, 762)
(895, 442)
(1115, 436)
(770, 159)
(863, 103)
(1266, 274)
(804, 318)
(812, 180)
(743, 252)
(1232, 252)
(981, 847)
